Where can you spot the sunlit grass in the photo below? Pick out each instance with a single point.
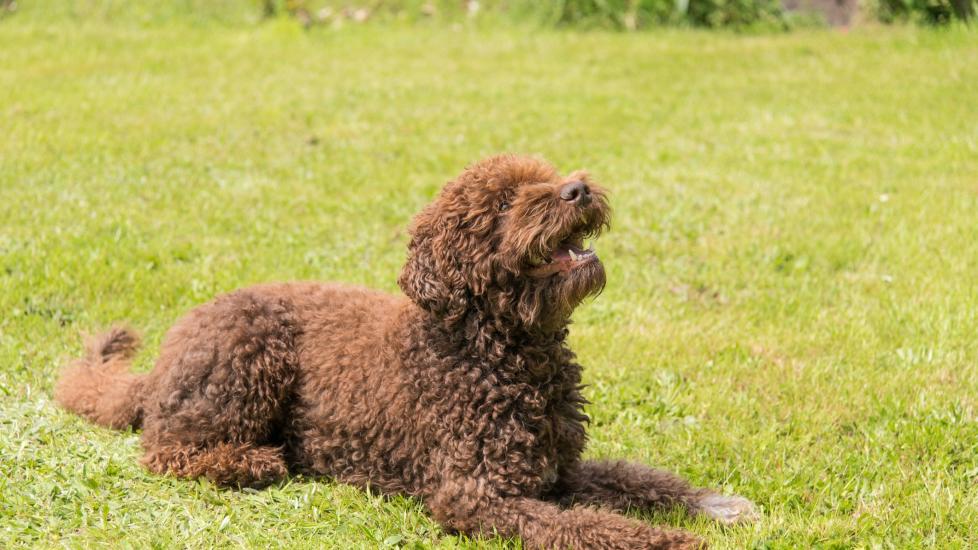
(791, 307)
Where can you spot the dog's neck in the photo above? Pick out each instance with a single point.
(498, 339)
(482, 319)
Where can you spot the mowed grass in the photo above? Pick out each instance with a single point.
(791, 309)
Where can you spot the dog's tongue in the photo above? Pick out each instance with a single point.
(562, 252)
(560, 260)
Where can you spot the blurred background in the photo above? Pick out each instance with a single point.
(791, 306)
(627, 15)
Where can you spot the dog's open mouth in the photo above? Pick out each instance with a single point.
(568, 255)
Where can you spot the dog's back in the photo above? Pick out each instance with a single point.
(250, 370)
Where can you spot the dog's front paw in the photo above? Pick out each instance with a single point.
(726, 509)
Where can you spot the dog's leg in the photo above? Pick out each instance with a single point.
(222, 392)
(225, 464)
(623, 485)
(544, 525)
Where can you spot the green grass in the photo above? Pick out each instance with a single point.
(791, 310)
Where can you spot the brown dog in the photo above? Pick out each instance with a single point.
(464, 393)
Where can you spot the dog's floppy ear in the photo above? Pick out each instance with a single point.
(432, 277)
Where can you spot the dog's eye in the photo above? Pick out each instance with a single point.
(503, 206)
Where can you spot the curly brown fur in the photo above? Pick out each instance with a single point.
(99, 386)
(465, 394)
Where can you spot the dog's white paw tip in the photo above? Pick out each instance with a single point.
(727, 509)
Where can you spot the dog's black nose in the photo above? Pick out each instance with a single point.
(576, 192)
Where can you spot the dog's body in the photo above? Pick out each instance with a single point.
(464, 393)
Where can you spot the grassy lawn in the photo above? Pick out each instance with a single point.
(792, 304)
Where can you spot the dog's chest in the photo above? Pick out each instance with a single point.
(522, 452)
(508, 419)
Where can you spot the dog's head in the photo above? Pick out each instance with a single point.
(506, 238)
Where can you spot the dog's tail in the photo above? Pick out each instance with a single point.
(100, 387)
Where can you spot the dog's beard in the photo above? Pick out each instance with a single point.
(558, 270)
(548, 303)
(569, 289)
